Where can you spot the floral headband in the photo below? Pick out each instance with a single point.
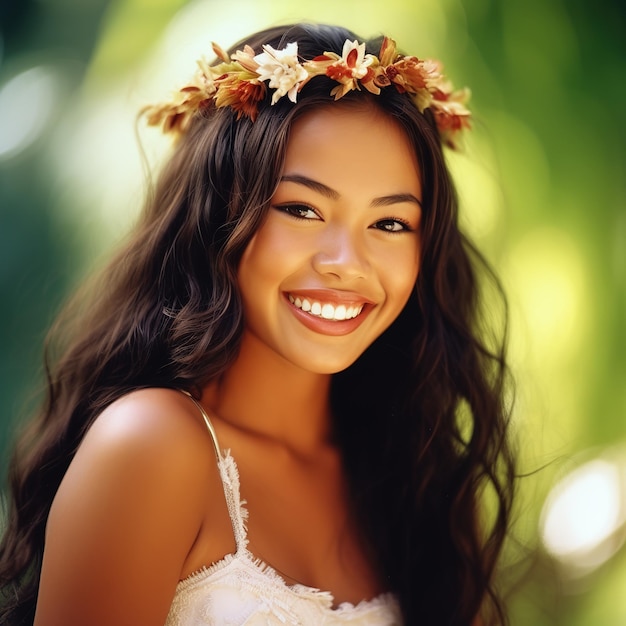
(239, 82)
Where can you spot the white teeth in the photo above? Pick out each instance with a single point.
(327, 311)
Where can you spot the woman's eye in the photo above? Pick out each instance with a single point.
(392, 225)
(301, 211)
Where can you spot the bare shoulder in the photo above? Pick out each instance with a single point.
(148, 436)
(151, 420)
(127, 512)
(149, 448)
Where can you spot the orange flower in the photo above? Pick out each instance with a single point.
(388, 53)
(242, 94)
(176, 116)
(451, 114)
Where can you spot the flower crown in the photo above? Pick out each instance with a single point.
(239, 81)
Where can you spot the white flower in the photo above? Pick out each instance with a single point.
(354, 57)
(282, 69)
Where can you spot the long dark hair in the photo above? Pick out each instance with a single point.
(420, 418)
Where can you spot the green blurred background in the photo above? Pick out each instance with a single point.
(542, 187)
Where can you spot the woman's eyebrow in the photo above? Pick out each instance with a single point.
(395, 198)
(311, 184)
(329, 192)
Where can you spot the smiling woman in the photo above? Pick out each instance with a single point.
(342, 241)
(293, 327)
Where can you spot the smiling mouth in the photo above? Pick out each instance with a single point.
(326, 310)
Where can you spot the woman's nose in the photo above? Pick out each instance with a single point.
(342, 254)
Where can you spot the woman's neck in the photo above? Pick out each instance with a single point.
(269, 397)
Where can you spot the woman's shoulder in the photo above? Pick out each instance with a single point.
(148, 436)
(149, 427)
(128, 510)
(139, 451)
(164, 418)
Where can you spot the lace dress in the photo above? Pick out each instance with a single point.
(241, 590)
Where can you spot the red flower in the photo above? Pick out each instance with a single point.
(242, 95)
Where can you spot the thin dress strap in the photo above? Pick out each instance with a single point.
(230, 482)
(207, 421)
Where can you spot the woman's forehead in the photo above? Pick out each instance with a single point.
(341, 146)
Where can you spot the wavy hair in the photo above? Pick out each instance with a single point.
(420, 417)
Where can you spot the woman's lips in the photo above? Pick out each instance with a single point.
(337, 313)
(327, 310)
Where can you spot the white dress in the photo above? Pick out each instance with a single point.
(241, 590)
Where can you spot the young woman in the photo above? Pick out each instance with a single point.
(278, 408)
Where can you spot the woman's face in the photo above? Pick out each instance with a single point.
(337, 256)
